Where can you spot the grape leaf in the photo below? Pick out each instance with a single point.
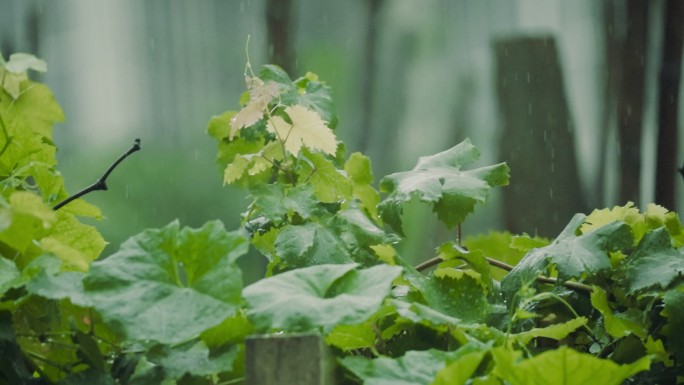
(322, 296)
(306, 129)
(618, 325)
(9, 275)
(192, 358)
(184, 281)
(452, 252)
(310, 244)
(307, 91)
(46, 279)
(358, 336)
(454, 293)
(658, 216)
(260, 95)
(627, 213)
(439, 181)
(330, 185)
(29, 218)
(563, 366)
(413, 368)
(75, 243)
(674, 311)
(653, 263)
(504, 247)
(35, 111)
(14, 72)
(219, 126)
(556, 331)
(276, 203)
(351, 337)
(232, 330)
(358, 167)
(461, 370)
(574, 256)
(361, 231)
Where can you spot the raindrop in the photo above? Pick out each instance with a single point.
(528, 78)
(126, 192)
(551, 193)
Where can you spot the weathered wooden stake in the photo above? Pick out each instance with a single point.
(302, 359)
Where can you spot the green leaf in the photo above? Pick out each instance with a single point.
(351, 337)
(439, 181)
(322, 296)
(563, 366)
(654, 263)
(49, 282)
(574, 256)
(359, 336)
(75, 243)
(310, 244)
(475, 259)
(232, 330)
(363, 232)
(422, 314)
(618, 325)
(504, 247)
(330, 185)
(9, 276)
(169, 284)
(29, 218)
(35, 111)
(276, 74)
(459, 371)
(315, 95)
(219, 126)
(193, 358)
(674, 311)
(555, 331)
(358, 168)
(413, 368)
(277, 203)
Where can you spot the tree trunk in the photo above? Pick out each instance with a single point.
(670, 75)
(537, 140)
(631, 100)
(613, 40)
(368, 73)
(279, 25)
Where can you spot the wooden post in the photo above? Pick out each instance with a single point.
(288, 359)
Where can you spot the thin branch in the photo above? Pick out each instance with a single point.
(101, 183)
(504, 266)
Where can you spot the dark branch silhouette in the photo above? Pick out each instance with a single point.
(101, 183)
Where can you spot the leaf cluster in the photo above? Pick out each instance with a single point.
(602, 302)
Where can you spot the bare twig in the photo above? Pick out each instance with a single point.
(101, 183)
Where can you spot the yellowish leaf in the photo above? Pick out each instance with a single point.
(260, 94)
(307, 129)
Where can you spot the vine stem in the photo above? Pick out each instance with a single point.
(100, 184)
(504, 266)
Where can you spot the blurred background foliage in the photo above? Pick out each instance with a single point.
(580, 97)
